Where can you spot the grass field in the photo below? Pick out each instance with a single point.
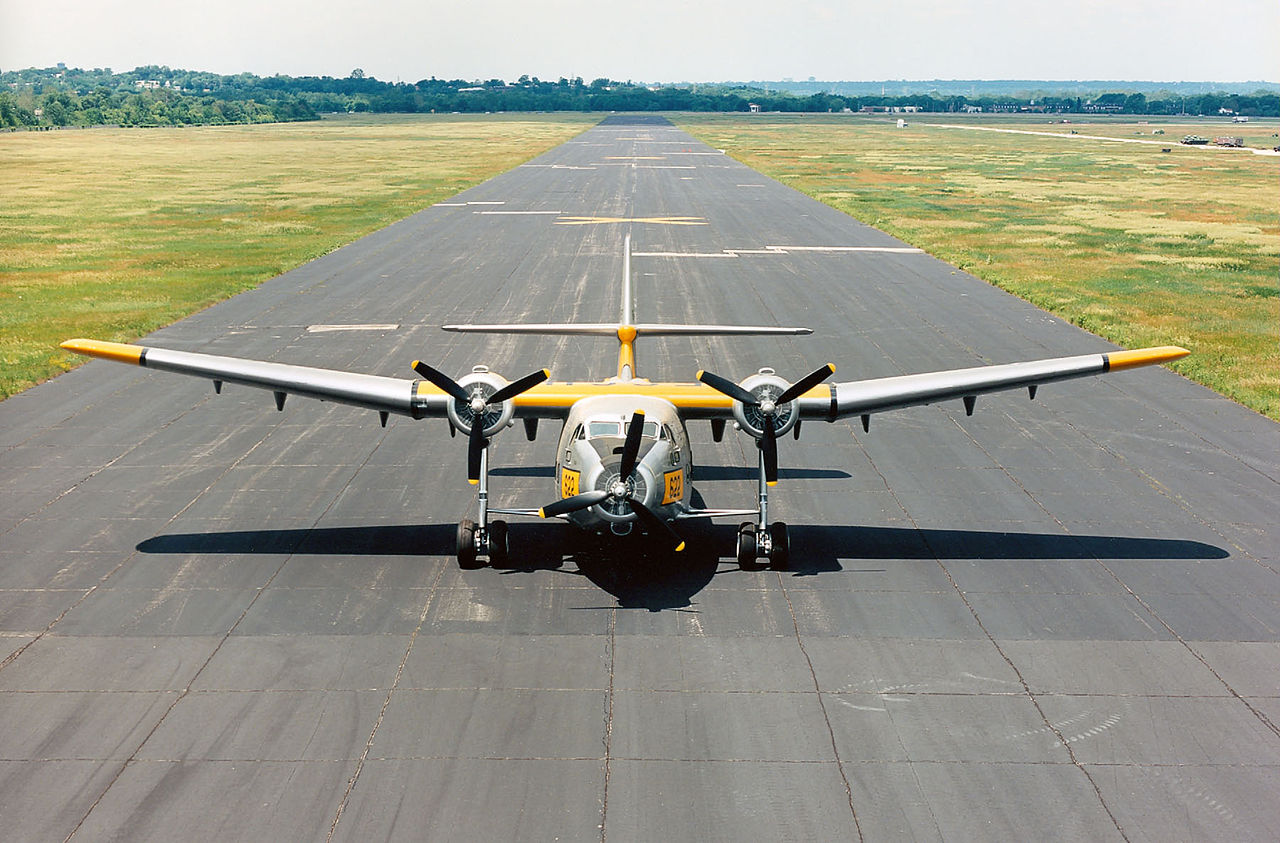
(112, 233)
(1140, 246)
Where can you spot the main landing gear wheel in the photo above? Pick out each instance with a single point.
(773, 544)
(780, 552)
(466, 545)
(747, 547)
(499, 549)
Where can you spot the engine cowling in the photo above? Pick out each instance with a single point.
(481, 384)
(765, 386)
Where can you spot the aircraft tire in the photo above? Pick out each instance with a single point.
(780, 555)
(747, 547)
(466, 545)
(499, 547)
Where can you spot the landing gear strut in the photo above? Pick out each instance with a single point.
(485, 538)
(763, 540)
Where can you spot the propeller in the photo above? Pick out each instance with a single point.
(620, 490)
(478, 403)
(768, 409)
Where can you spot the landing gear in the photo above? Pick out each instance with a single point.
(780, 546)
(466, 544)
(747, 546)
(488, 538)
(772, 543)
(763, 540)
(498, 547)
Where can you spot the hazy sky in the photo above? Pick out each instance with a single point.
(658, 40)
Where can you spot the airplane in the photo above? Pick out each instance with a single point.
(624, 457)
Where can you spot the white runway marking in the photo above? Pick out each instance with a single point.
(515, 213)
(782, 250)
(900, 250)
(324, 329)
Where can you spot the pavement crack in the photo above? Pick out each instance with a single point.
(826, 716)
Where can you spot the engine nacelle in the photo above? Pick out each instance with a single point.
(480, 384)
(766, 386)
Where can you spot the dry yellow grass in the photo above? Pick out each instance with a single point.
(112, 233)
(1140, 246)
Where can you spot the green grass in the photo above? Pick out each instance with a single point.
(112, 233)
(1137, 245)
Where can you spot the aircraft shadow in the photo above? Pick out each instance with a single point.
(640, 574)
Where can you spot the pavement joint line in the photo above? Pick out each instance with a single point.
(185, 691)
(1033, 695)
(1026, 687)
(1178, 501)
(382, 713)
(608, 726)
(41, 634)
(826, 717)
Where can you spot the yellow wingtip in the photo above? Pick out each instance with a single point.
(542, 512)
(771, 482)
(1120, 360)
(680, 547)
(473, 482)
(118, 351)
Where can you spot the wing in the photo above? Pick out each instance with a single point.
(404, 396)
(853, 398)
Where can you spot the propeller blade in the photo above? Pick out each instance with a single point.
(441, 380)
(573, 504)
(806, 383)
(514, 388)
(769, 448)
(654, 524)
(631, 449)
(475, 446)
(727, 387)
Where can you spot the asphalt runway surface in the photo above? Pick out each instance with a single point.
(1056, 619)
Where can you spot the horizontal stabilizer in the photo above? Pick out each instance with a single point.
(643, 329)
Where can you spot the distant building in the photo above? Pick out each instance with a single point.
(754, 106)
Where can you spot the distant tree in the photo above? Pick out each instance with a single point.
(358, 73)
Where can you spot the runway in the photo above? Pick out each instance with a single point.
(1056, 619)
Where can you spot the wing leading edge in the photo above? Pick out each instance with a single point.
(402, 396)
(420, 399)
(879, 395)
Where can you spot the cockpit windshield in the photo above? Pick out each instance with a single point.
(597, 429)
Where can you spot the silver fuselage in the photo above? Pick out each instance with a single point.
(589, 457)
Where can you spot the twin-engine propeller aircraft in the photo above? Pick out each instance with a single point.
(624, 457)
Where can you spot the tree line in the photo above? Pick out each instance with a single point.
(160, 96)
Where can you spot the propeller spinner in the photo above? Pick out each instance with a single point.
(621, 490)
